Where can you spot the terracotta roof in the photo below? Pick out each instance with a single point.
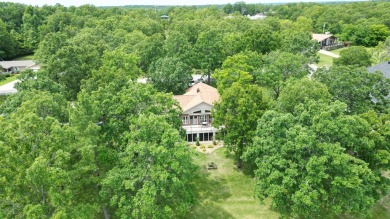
(321, 37)
(197, 94)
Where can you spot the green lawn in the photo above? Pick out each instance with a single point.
(27, 57)
(226, 192)
(337, 51)
(9, 79)
(325, 61)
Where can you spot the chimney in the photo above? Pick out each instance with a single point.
(197, 90)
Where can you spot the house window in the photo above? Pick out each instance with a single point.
(199, 111)
(203, 119)
(194, 120)
(207, 111)
(184, 119)
(191, 137)
(201, 137)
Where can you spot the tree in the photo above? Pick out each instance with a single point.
(381, 53)
(300, 43)
(228, 8)
(278, 67)
(35, 149)
(177, 45)
(7, 44)
(75, 60)
(209, 51)
(169, 75)
(342, 80)
(153, 178)
(355, 55)
(238, 68)
(299, 91)
(237, 112)
(365, 34)
(318, 161)
(260, 38)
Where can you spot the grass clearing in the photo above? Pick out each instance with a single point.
(228, 192)
(337, 51)
(26, 57)
(8, 79)
(225, 192)
(325, 61)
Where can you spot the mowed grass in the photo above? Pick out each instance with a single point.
(8, 79)
(325, 61)
(226, 192)
(26, 57)
(337, 51)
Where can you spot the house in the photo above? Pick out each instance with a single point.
(259, 16)
(197, 104)
(327, 41)
(383, 67)
(17, 66)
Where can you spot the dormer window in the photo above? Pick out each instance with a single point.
(199, 111)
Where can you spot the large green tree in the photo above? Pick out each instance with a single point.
(237, 112)
(153, 177)
(356, 87)
(278, 67)
(238, 68)
(299, 91)
(355, 55)
(7, 44)
(318, 162)
(170, 75)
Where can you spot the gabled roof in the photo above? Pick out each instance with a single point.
(10, 64)
(321, 37)
(197, 94)
(383, 67)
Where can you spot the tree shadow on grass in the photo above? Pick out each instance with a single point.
(210, 188)
(208, 192)
(247, 168)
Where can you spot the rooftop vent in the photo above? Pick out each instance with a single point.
(197, 90)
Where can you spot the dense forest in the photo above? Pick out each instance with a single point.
(83, 139)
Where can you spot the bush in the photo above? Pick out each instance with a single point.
(2, 77)
(214, 142)
(197, 142)
(203, 147)
(210, 146)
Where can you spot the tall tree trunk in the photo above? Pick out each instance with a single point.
(239, 162)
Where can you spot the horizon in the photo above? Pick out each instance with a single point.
(119, 3)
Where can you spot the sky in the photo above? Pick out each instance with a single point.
(147, 2)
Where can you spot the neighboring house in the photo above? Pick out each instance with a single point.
(383, 67)
(259, 16)
(17, 66)
(327, 41)
(197, 104)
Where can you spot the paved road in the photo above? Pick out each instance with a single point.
(331, 54)
(8, 88)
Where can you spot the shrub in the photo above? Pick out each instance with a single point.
(2, 76)
(210, 146)
(197, 142)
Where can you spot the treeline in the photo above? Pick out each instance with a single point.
(82, 139)
(23, 27)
